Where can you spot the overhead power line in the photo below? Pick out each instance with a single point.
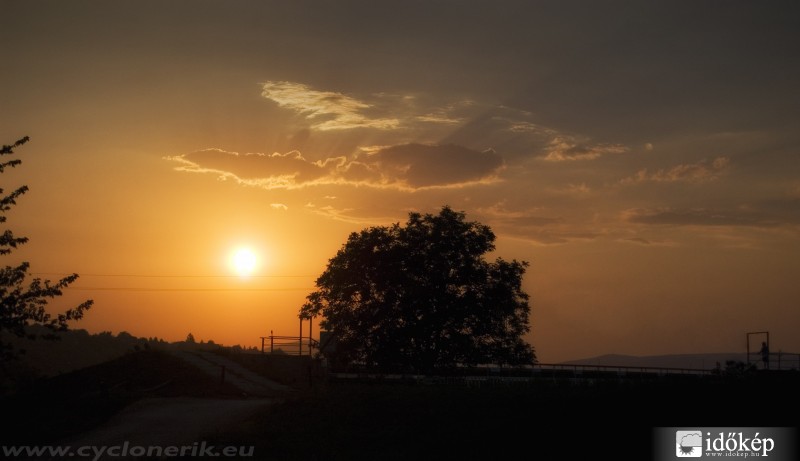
(176, 276)
(59, 274)
(184, 289)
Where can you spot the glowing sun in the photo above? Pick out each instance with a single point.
(244, 261)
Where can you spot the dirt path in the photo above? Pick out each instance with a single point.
(250, 383)
(169, 422)
(184, 421)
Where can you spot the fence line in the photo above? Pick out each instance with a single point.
(289, 345)
(777, 360)
(542, 371)
(549, 371)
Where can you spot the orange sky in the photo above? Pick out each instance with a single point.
(643, 158)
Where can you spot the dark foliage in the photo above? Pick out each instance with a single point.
(24, 303)
(422, 297)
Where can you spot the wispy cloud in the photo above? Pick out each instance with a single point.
(700, 217)
(331, 110)
(639, 240)
(704, 170)
(439, 117)
(793, 190)
(563, 148)
(327, 110)
(270, 171)
(524, 126)
(649, 242)
(358, 216)
(403, 167)
(573, 190)
(534, 225)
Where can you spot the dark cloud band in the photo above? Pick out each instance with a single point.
(404, 167)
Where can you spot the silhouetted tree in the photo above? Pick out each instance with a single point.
(422, 297)
(190, 338)
(25, 305)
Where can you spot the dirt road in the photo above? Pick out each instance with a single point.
(159, 423)
(250, 383)
(168, 422)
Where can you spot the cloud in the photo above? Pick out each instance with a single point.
(439, 117)
(520, 136)
(793, 190)
(774, 213)
(784, 209)
(421, 166)
(522, 126)
(533, 226)
(349, 215)
(413, 117)
(566, 148)
(278, 206)
(549, 237)
(327, 109)
(649, 242)
(270, 171)
(334, 111)
(404, 167)
(574, 190)
(500, 213)
(704, 170)
(330, 212)
(448, 114)
(700, 217)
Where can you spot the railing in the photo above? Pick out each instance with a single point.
(289, 345)
(620, 370)
(777, 360)
(530, 374)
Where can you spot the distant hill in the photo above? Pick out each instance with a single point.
(77, 349)
(74, 349)
(695, 361)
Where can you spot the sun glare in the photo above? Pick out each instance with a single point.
(244, 261)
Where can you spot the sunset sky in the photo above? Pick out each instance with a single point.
(642, 156)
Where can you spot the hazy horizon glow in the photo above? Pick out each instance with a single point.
(642, 157)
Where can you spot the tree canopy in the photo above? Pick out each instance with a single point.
(25, 304)
(421, 297)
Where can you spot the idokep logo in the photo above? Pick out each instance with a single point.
(742, 443)
(689, 444)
